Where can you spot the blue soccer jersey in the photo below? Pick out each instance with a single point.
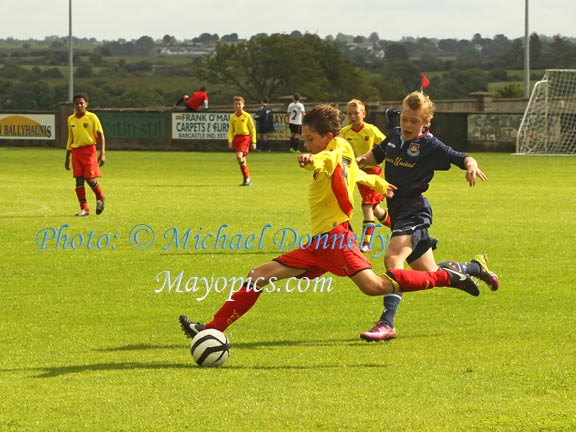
(410, 165)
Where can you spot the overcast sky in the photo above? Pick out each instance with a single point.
(186, 19)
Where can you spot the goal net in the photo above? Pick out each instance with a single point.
(549, 123)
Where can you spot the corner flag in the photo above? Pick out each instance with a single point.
(424, 81)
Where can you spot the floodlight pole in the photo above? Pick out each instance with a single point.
(526, 53)
(70, 55)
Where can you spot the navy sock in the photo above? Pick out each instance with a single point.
(391, 303)
(471, 268)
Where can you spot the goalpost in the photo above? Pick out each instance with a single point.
(548, 126)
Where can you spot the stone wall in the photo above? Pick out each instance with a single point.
(480, 123)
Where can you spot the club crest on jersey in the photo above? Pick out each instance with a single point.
(413, 149)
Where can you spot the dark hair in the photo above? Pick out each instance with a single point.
(265, 100)
(202, 88)
(80, 95)
(296, 96)
(323, 119)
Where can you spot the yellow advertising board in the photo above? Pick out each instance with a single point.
(27, 126)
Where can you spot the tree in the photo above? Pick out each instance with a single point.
(405, 72)
(144, 45)
(296, 35)
(396, 52)
(168, 40)
(279, 65)
(458, 83)
(515, 56)
(536, 50)
(84, 70)
(559, 53)
(374, 38)
(207, 38)
(34, 95)
(449, 46)
(231, 38)
(52, 73)
(510, 91)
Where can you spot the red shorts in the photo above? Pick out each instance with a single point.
(85, 162)
(370, 196)
(242, 144)
(336, 252)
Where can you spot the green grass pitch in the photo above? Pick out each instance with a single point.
(89, 344)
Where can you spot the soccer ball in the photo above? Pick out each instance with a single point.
(210, 348)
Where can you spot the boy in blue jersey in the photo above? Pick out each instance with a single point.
(411, 155)
(264, 120)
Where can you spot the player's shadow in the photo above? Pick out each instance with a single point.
(56, 371)
(240, 345)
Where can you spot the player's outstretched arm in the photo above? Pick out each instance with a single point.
(473, 171)
(367, 159)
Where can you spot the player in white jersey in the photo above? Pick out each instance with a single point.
(296, 113)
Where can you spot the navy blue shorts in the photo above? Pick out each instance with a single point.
(295, 129)
(413, 217)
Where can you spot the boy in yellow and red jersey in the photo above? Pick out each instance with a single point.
(333, 246)
(85, 134)
(242, 137)
(362, 137)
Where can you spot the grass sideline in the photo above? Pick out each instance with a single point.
(87, 345)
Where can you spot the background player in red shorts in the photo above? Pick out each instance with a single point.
(332, 247)
(362, 137)
(85, 133)
(242, 137)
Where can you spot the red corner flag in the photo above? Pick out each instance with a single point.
(424, 81)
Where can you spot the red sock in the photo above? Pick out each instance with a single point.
(242, 301)
(413, 280)
(81, 194)
(244, 169)
(368, 229)
(386, 219)
(97, 191)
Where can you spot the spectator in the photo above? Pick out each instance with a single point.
(264, 126)
(193, 103)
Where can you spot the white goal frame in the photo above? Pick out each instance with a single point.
(548, 126)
